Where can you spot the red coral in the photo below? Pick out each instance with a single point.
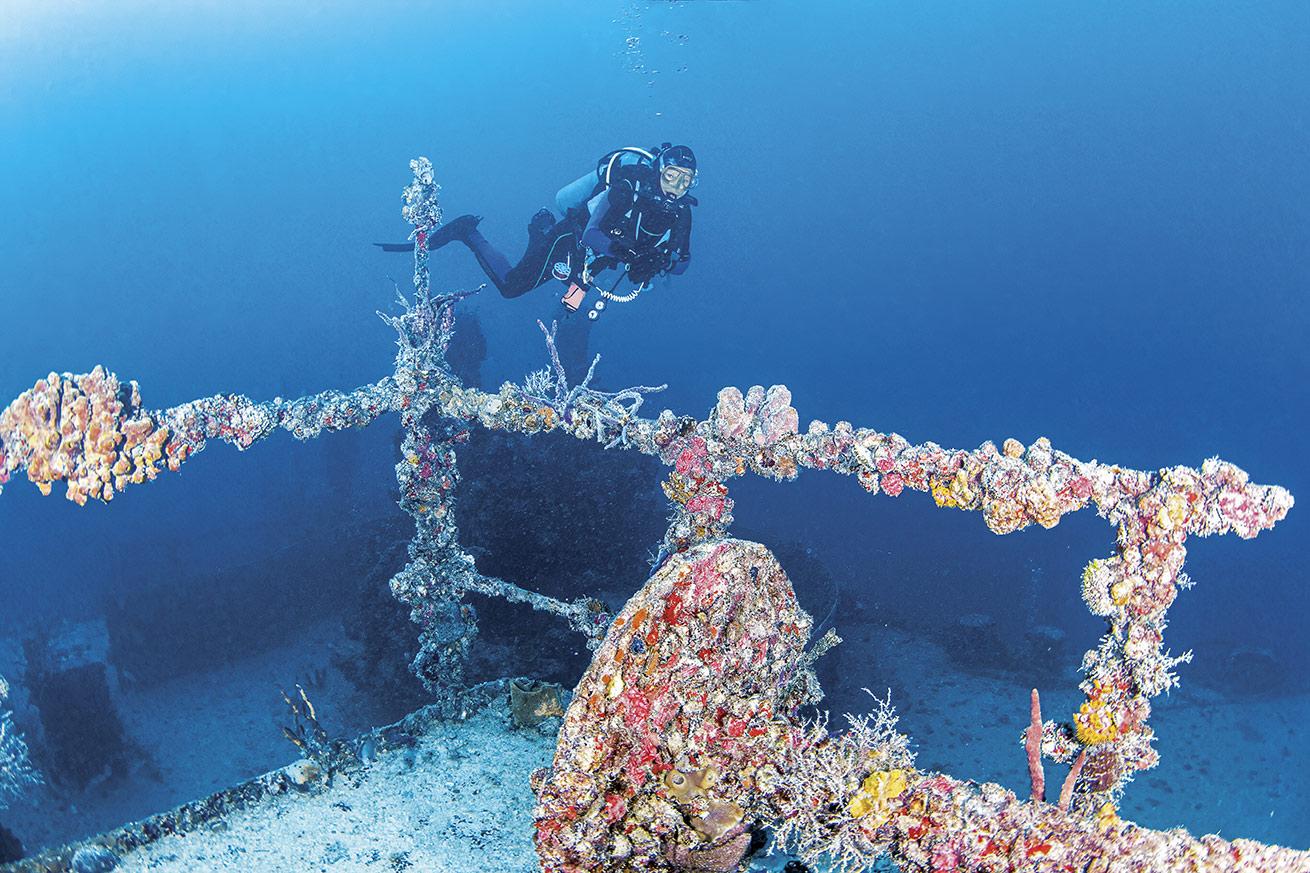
(615, 808)
(635, 707)
(672, 609)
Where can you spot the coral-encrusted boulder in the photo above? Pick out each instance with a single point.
(664, 756)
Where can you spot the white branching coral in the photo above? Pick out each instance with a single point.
(539, 384)
(868, 765)
(607, 413)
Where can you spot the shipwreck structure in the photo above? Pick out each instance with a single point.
(682, 737)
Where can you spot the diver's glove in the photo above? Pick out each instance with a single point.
(647, 265)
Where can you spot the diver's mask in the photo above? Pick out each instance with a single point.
(676, 181)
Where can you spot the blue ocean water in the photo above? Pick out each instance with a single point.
(957, 222)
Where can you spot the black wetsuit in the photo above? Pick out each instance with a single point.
(632, 221)
(548, 244)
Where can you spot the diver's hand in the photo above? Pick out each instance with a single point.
(621, 244)
(645, 266)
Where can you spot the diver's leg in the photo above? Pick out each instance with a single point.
(529, 272)
(455, 229)
(493, 263)
(548, 241)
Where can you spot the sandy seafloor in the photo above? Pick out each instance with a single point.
(459, 800)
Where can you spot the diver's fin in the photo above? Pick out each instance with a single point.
(456, 228)
(541, 223)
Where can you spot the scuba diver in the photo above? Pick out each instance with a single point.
(631, 214)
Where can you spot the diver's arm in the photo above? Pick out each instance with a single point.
(680, 251)
(597, 234)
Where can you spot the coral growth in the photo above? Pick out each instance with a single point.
(86, 430)
(440, 571)
(675, 734)
(877, 796)
(681, 734)
(90, 430)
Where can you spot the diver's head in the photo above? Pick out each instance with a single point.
(677, 166)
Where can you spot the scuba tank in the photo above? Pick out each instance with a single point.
(575, 194)
(586, 187)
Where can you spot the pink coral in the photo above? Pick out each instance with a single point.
(720, 680)
(777, 418)
(693, 460)
(764, 417)
(709, 504)
(730, 416)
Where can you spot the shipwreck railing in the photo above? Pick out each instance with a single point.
(91, 432)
